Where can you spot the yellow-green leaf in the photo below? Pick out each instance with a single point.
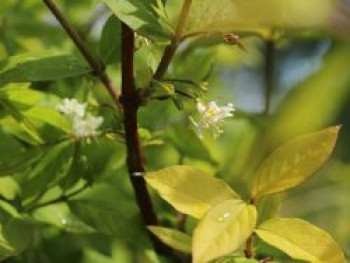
(294, 162)
(301, 240)
(251, 15)
(173, 238)
(189, 190)
(223, 230)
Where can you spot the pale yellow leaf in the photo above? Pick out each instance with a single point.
(301, 240)
(294, 162)
(173, 238)
(224, 229)
(189, 190)
(251, 15)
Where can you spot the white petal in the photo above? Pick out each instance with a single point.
(201, 107)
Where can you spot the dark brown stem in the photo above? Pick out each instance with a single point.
(130, 102)
(269, 73)
(96, 65)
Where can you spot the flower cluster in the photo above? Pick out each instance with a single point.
(83, 124)
(212, 117)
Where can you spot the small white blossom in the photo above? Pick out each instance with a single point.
(71, 108)
(83, 125)
(86, 127)
(212, 117)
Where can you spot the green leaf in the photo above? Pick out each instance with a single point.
(17, 116)
(110, 43)
(40, 67)
(78, 168)
(189, 190)
(137, 14)
(107, 211)
(20, 130)
(188, 144)
(15, 237)
(20, 95)
(19, 233)
(300, 240)
(60, 216)
(223, 230)
(252, 16)
(9, 188)
(49, 171)
(49, 116)
(173, 238)
(25, 104)
(294, 162)
(14, 157)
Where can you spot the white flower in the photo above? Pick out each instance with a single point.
(83, 125)
(71, 108)
(86, 127)
(212, 117)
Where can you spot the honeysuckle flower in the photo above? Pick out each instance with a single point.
(71, 108)
(87, 127)
(212, 117)
(82, 124)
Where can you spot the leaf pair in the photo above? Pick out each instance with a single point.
(226, 221)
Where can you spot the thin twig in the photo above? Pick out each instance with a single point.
(60, 199)
(170, 50)
(95, 64)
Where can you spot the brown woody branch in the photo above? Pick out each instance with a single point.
(95, 64)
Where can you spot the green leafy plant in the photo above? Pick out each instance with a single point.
(101, 99)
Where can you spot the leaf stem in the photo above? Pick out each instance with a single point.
(249, 247)
(95, 64)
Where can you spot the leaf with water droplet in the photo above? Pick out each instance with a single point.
(223, 230)
(190, 190)
(294, 162)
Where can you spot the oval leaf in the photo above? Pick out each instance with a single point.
(300, 240)
(173, 238)
(110, 48)
(189, 190)
(139, 16)
(108, 211)
(49, 170)
(294, 162)
(223, 230)
(40, 67)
